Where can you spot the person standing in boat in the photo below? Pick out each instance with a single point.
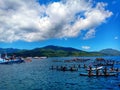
(85, 66)
(52, 67)
(90, 71)
(112, 68)
(79, 66)
(11, 57)
(117, 70)
(105, 71)
(14, 57)
(97, 72)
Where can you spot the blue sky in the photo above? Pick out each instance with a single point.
(89, 25)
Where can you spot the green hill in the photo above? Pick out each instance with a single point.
(111, 52)
(9, 50)
(58, 51)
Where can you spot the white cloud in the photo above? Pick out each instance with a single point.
(116, 38)
(89, 34)
(30, 21)
(86, 47)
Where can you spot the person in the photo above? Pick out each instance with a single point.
(57, 67)
(105, 71)
(74, 66)
(71, 68)
(11, 58)
(90, 71)
(85, 66)
(112, 68)
(61, 67)
(64, 68)
(117, 69)
(113, 62)
(52, 67)
(97, 72)
(79, 66)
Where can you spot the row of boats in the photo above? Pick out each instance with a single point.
(63, 68)
(4, 59)
(101, 71)
(100, 67)
(77, 60)
(91, 71)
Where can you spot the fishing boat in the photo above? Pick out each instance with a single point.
(6, 60)
(11, 61)
(110, 74)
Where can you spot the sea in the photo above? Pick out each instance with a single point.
(37, 75)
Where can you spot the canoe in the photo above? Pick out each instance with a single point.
(67, 69)
(111, 74)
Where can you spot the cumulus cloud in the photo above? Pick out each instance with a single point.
(86, 47)
(30, 21)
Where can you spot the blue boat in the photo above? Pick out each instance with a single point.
(7, 60)
(11, 61)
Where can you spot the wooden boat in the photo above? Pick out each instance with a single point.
(100, 59)
(63, 68)
(73, 69)
(111, 74)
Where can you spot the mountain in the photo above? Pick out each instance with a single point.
(58, 51)
(51, 51)
(9, 50)
(111, 52)
(60, 48)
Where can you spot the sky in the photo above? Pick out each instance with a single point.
(89, 25)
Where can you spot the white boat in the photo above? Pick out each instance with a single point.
(18, 60)
(43, 57)
(36, 57)
(98, 68)
(6, 60)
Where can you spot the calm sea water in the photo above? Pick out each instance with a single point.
(36, 75)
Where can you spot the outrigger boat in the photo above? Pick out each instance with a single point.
(67, 69)
(110, 74)
(63, 68)
(97, 68)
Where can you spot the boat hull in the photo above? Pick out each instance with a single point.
(12, 62)
(86, 74)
